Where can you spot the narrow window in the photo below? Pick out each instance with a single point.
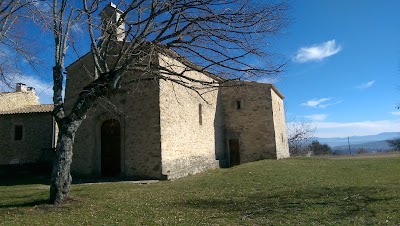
(200, 114)
(283, 141)
(18, 132)
(238, 104)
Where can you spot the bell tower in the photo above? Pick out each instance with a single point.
(110, 23)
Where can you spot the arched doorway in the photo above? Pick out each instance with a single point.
(110, 148)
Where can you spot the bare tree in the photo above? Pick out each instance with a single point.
(15, 43)
(300, 134)
(9, 15)
(221, 37)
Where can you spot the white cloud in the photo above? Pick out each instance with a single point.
(330, 104)
(315, 102)
(317, 52)
(366, 85)
(317, 117)
(396, 113)
(362, 128)
(320, 103)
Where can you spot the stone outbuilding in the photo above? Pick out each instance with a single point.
(27, 128)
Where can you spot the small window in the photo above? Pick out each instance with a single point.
(18, 132)
(200, 114)
(238, 104)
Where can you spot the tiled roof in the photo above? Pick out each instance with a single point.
(30, 109)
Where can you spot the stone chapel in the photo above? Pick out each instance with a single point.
(152, 129)
(160, 130)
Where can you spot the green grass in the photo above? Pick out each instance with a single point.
(298, 191)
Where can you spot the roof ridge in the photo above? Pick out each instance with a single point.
(35, 108)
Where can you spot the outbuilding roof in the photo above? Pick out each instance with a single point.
(40, 108)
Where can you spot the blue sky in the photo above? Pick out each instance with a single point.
(344, 72)
(344, 75)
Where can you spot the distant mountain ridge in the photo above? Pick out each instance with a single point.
(370, 142)
(370, 147)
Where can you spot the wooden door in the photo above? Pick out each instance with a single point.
(110, 148)
(234, 152)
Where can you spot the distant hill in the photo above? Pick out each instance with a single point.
(370, 147)
(340, 141)
(370, 143)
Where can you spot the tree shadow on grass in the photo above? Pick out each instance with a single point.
(31, 203)
(24, 174)
(327, 203)
(41, 203)
(23, 196)
(13, 192)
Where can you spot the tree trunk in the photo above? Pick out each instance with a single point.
(61, 178)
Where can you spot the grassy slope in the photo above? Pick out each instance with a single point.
(299, 191)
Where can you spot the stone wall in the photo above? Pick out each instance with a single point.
(78, 75)
(14, 100)
(135, 107)
(248, 112)
(142, 131)
(188, 137)
(281, 139)
(37, 138)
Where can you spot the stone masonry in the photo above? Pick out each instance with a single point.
(136, 108)
(187, 125)
(27, 129)
(254, 115)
